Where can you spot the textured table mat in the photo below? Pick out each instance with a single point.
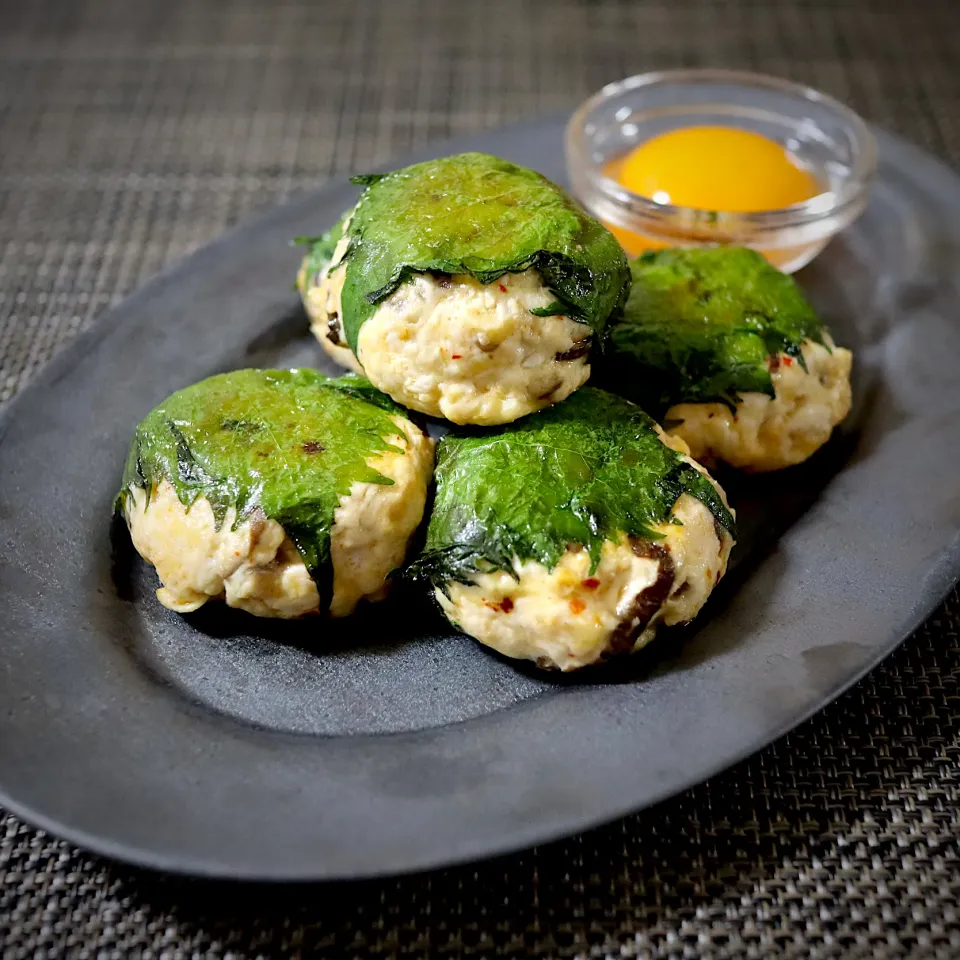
(132, 132)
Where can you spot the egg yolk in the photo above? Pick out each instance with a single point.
(716, 168)
(719, 169)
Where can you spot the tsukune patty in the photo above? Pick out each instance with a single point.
(467, 288)
(727, 352)
(571, 535)
(282, 492)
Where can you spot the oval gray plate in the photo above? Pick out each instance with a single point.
(222, 745)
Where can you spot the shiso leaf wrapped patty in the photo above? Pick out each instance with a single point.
(728, 353)
(466, 287)
(283, 492)
(569, 535)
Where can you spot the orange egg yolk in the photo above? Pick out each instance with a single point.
(716, 168)
(720, 169)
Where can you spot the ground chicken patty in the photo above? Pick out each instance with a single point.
(769, 433)
(320, 290)
(186, 529)
(728, 353)
(465, 288)
(531, 589)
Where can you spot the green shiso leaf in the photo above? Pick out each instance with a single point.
(582, 472)
(478, 215)
(366, 179)
(553, 309)
(701, 324)
(289, 442)
(321, 250)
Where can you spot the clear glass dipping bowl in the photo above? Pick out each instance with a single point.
(828, 139)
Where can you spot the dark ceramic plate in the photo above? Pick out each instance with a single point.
(223, 745)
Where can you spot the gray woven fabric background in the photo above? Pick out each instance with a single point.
(132, 132)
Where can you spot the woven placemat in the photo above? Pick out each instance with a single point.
(132, 132)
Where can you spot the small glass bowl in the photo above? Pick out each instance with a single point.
(823, 136)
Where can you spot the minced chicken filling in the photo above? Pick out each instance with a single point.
(769, 433)
(473, 353)
(257, 568)
(321, 300)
